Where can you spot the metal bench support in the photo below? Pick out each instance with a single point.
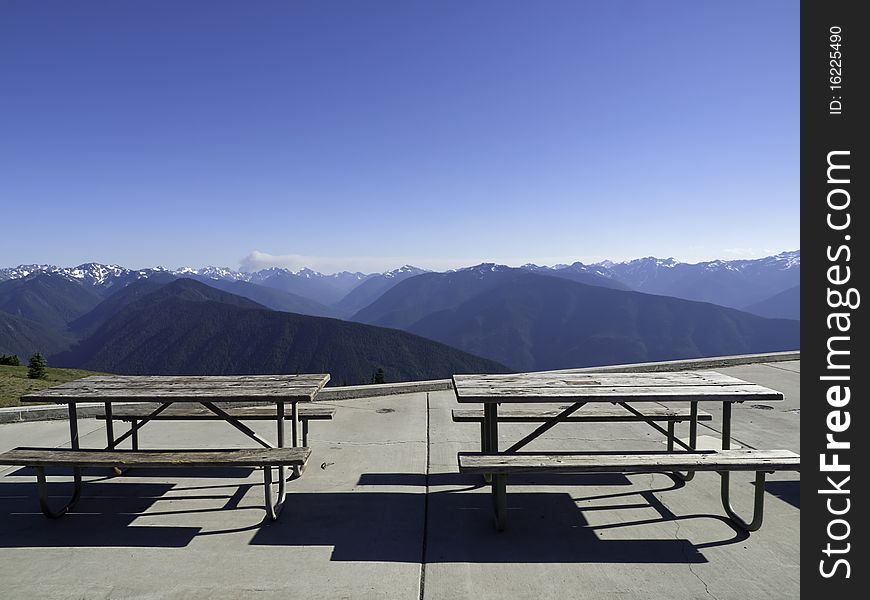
(758, 509)
(274, 504)
(42, 484)
(42, 488)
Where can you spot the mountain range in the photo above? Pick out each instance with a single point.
(785, 304)
(532, 322)
(529, 317)
(735, 283)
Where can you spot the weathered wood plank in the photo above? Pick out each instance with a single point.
(605, 378)
(192, 378)
(187, 388)
(199, 381)
(290, 388)
(610, 387)
(189, 385)
(250, 457)
(722, 460)
(176, 413)
(607, 394)
(170, 385)
(588, 413)
(163, 397)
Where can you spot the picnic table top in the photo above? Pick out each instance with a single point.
(183, 388)
(690, 386)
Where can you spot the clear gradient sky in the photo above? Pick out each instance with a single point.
(366, 135)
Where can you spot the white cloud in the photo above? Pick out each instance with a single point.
(750, 252)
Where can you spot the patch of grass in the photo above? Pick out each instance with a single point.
(14, 382)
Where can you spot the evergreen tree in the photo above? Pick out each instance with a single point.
(36, 368)
(10, 360)
(379, 376)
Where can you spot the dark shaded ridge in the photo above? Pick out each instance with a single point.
(532, 322)
(23, 337)
(784, 305)
(186, 327)
(47, 298)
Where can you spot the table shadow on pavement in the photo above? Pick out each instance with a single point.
(109, 505)
(544, 527)
(786, 490)
(105, 520)
(459, 479)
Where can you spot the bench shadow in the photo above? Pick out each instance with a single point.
(366, 525)
(102, 472)
(544, 527)
(110, 504)
(108, 512)
(472, 480)
(786, 490)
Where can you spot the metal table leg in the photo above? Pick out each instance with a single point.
(274, 506)
(484, 440)
(499, 481)
(693, 440)
(758, 509)
(111, 443)
(110, 427)
(294, 429)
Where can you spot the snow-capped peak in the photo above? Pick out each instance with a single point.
(95, 273)
(91, 273)
(404, 270)
(24, 270)
(220, 273)
(307, 273)
(484, 268)
(788, 260)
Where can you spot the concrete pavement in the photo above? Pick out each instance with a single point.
(381, 512)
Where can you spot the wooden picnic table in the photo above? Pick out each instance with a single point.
(216, 394)
(631, 391)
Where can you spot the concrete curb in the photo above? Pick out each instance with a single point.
(383, 389)
(696, 363)
(18, 414)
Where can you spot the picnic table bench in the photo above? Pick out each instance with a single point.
(133, 414)
(228, 398)
(623, 390)
(590, 414)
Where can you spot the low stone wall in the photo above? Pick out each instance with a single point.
(696, 363)
(51, 412)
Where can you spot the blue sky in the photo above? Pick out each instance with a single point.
(365, 135)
